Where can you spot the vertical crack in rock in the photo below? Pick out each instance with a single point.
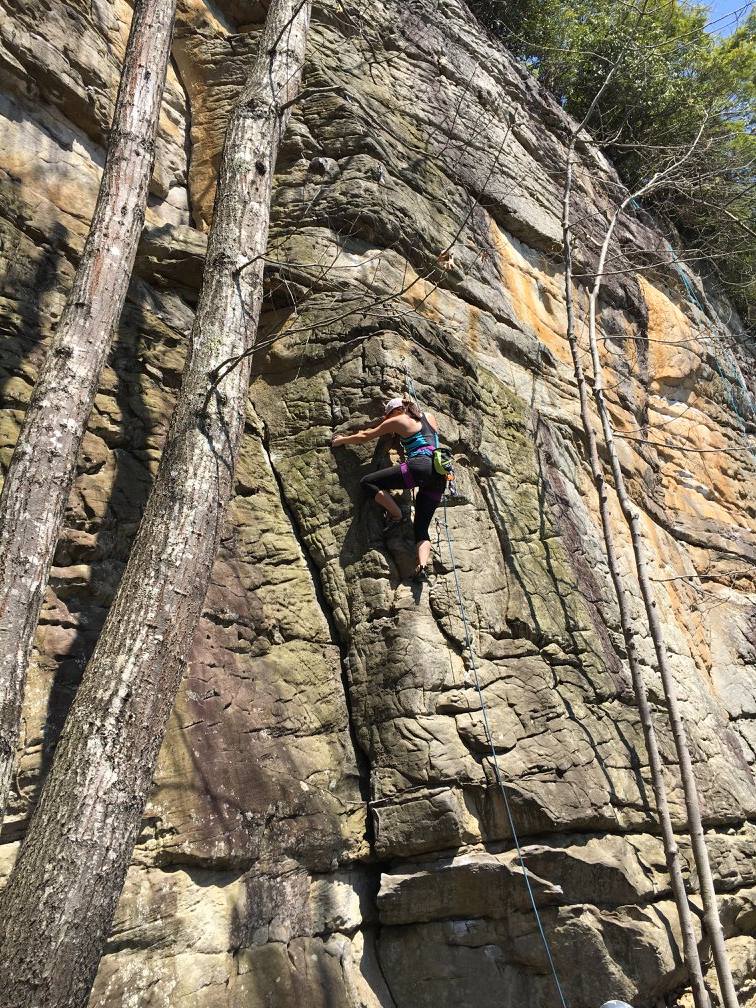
(188, 148)
(372, 870)
(363, 764)
(268, 886)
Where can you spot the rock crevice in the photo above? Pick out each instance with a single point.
(325, 827)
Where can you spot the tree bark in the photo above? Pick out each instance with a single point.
(672, 853)
(58, 905)
(687, 776)
(42, 469)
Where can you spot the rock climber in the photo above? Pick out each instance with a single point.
(418, 434)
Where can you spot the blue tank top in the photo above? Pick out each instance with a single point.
(424, 442)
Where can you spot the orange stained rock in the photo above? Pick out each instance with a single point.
(674, 354)
(700, 477)
(197, 16)
(533, 294)
(435, 303)
(417, 291)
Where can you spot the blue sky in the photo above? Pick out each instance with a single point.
(720, 8)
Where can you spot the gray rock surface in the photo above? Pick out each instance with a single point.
(325, 828)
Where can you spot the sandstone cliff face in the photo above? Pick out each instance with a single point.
(324, 829)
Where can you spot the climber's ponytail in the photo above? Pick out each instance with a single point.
(411, 410)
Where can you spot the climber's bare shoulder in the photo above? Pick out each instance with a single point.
(402, 425)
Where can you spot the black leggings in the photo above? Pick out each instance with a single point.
(430, 489)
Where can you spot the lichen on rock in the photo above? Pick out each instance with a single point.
(325, 827)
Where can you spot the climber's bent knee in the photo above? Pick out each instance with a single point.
(368, 487)
(383, 479)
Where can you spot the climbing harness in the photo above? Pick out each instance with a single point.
(409, 480)
(443, 460)
(470, 649)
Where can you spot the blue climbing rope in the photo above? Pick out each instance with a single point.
(410, 386)
(736, 374)
(717, 351)
(470, 649)
(497, 772)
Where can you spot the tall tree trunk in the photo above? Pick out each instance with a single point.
(674, 866)
(42, 469)
(57, 908)
(630, 513)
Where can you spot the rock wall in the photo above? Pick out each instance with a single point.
(324, 828)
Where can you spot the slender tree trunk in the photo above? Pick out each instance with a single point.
(57, 908)
(674, 866)
(692, 804)
(44, 463)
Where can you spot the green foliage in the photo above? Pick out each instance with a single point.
(672, 75)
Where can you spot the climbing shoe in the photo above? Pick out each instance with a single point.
(420, 576)
(390, 523)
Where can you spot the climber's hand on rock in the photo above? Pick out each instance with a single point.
(338, 439)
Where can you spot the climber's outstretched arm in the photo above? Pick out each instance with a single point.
(389, 426)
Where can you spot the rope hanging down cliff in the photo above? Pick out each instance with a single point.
(470, 649)
(721, 354)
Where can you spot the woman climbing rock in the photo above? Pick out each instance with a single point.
(418, 434)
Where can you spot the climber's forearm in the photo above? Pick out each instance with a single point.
(359, 437)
